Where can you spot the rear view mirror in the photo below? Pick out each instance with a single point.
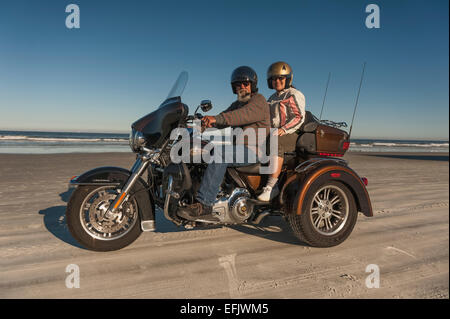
(206, 105)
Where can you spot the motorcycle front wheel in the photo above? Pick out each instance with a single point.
(328, 215)
(86, 220)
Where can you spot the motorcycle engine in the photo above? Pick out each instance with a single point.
(234, 209)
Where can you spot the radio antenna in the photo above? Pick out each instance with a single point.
(326, 89)
(357, 98)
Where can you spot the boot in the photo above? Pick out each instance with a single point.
(196, 211)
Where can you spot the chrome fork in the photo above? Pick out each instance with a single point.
(136, 171)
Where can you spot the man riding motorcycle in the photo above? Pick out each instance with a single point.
(249, 111)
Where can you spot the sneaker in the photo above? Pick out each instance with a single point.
(195, 211)
(268, 193)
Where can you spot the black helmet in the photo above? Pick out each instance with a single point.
(244, 73)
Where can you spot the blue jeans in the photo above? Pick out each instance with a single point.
(215, 172)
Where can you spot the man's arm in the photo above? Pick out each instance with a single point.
(255, 110)
(220, 123)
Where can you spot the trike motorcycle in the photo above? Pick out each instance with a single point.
(320, 194)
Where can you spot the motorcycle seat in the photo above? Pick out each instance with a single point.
(249, 169)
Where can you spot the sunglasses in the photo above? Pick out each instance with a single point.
(240, 83)
(280, 78)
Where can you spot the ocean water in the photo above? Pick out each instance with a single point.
(23, 142)
(373, 145)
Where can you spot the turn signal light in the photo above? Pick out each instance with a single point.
(346, 146)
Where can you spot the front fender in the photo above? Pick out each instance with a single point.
(117, 176)
(106, 175)
(296, 187)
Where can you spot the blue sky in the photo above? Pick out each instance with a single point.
(124, 58)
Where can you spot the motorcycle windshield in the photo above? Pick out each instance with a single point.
(178, 88)
(157, 125)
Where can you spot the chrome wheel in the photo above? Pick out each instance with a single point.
(329, 210)
(94, 221)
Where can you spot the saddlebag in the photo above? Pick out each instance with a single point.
(320, 139)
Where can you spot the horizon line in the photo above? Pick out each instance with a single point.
(123, 132)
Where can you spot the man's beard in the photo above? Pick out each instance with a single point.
(243, 95)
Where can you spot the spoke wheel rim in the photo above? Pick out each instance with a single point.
(329, 210)
(92, 217)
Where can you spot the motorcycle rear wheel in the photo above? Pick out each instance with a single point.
(88, 225)
(329, 214)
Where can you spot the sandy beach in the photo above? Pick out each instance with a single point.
(408, 239)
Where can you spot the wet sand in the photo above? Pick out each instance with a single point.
(407, 239)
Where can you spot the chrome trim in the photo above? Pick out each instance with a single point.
(167, 200)
(226, 208)
(148, 225)
(136, 165)
(92, 226)
(136, 171)
(74, 185)
(151, 155)
(315, 161)
(136, 140)
(329, 221)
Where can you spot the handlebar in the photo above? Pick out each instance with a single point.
(197, 116)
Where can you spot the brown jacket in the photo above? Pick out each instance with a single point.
(252, 114)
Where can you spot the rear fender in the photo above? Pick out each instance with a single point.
(295, 189)
(117, 176)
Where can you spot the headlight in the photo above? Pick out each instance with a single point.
(137, 140)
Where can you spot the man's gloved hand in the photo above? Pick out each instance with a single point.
(208, 121)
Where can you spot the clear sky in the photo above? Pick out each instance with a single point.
(120, 64)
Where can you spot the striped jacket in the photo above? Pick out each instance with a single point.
(287, 109)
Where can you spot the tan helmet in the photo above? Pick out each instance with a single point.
(280, 69)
